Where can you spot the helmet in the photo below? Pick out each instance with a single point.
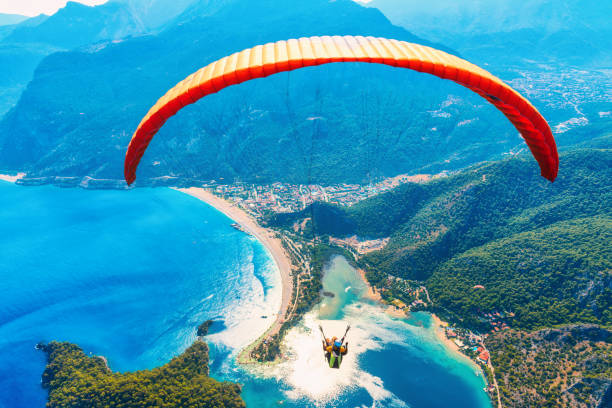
(337, 343)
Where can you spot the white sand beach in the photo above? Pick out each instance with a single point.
(265, 236)
(11, 178)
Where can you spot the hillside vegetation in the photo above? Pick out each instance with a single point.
(567, 367)
(77, 380)
(541, 250)
(547, 277)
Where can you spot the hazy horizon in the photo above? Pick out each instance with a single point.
(33, 8)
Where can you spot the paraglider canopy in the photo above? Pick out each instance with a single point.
(271, 58)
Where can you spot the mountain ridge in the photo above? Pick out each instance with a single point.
(10, 19)
(24, 45)
(574, 31)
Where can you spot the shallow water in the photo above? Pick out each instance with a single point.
(391, 362)
(124, 274)
(130, 274)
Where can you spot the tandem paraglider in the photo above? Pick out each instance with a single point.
(334, 349)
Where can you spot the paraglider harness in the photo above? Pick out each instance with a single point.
(334, 349)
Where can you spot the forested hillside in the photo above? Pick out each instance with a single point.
(565, 367)
(482, 204)
(540, 249)
(546, 277)
(77, 380)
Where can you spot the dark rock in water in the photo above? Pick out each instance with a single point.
(328, 294)
(203, 328)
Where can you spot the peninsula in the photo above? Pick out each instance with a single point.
(75, 379)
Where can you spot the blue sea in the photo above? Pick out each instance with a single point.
(130, 274)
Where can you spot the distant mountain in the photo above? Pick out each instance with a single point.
(17, 65)
(574, 30)
(18, 61)
(8, 19)
(448, 17)
(24, 45)
(30, 22)
(77, 24)
(155, 13)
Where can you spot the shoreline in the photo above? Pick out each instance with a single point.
(371, 294)
(267, 238)
(438, 324)
(11, 178)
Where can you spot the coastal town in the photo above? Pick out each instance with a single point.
(261, 199)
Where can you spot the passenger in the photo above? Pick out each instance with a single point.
(340, 348)
(327, 345)
(344, 349)
(334, 348)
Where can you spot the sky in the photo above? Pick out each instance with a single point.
(35, 7)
